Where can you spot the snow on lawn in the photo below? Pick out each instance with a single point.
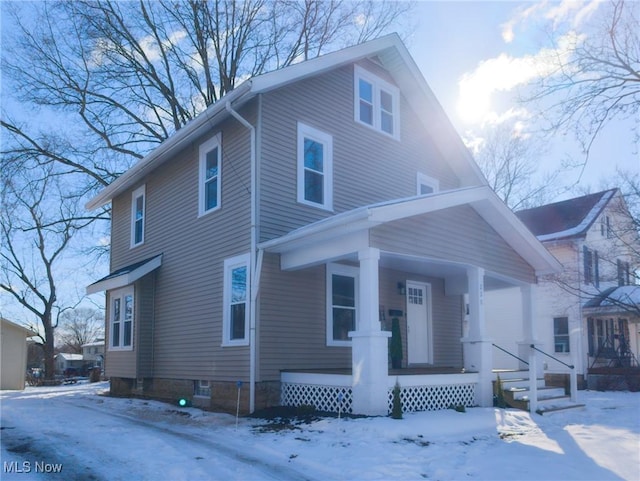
(93, 436)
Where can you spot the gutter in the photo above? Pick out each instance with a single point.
(255, 259)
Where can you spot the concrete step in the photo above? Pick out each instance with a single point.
(520, 383)
(543, 392)
(558, 407)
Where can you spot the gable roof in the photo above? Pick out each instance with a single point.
(565, 219)
(391, 52)
(481, 198)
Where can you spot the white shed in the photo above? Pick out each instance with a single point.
(13, 358)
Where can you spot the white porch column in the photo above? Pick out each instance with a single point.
(529, 333)
(369, 342)
(477, 346)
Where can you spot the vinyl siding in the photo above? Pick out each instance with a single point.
(188, 295)
(292, 323)
(368, 167)
(457, 234)
(446, 315)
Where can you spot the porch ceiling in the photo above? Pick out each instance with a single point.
(454, 274)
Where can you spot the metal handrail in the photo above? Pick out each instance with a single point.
(511, 354)
(570, 366)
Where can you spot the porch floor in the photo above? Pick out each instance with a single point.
(406, 371)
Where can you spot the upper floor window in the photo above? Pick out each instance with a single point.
(342, 303)
(591, 266)
(137, 216)
(235, 319)
(210, 175)
(426, 185)
(121, 319)
(624, 273)
(605, 227)
(315, 167)
(377, 103)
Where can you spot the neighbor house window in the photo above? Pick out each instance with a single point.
(426, 185)
(137, 216)
(377, 103)
(235, 327)
(561, 334)
(121, 319)
(624, 273)
(591, 266)
(315, 167)
(605, 227)
(210, 175)
(342, 303)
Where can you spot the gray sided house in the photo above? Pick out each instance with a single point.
(274, 238)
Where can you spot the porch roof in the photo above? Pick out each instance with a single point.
(126, 275)
(346, 232)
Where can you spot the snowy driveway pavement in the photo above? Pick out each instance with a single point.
(93, 437)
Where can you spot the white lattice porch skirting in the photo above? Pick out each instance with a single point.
(333, 393)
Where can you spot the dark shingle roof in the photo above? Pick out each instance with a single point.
(567, 218)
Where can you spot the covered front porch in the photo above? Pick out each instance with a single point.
(405, 257)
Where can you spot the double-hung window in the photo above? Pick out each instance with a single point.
(591, 266)
(210, 175)
(342, 303)
(315, 167)
(121, 319)
(235, 320)
(376, 103)
(137, 216)
(561, 334)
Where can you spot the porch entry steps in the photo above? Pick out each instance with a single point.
(516, 391)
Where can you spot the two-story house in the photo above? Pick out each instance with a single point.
(263, 249)
(587, 315)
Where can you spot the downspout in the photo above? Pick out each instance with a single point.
(255, 260)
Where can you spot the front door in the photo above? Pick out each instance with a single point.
(419, 337)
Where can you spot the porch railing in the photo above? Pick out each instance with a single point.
(510, 353)
(570, 366)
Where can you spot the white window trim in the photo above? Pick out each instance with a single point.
(229, 265)
(342, 270)
(306, 131)
(424, 179)
(205, 148)
(121, 294)
(139, 192)
(378, 85)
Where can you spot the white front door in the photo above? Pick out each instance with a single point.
(419, 336)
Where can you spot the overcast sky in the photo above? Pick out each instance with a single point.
(476, 55)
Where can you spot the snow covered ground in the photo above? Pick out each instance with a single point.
(89, 436)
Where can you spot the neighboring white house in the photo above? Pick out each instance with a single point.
(588, 315)
(13, 362)
(93, 353)
(64, 361)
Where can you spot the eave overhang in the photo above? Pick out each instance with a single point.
(389, 49)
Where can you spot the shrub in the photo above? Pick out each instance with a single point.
(396, 410)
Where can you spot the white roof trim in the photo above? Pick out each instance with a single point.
(410, 80)
(126, 278)
(482, 199)
(586, 222)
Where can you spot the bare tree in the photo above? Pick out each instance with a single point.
(80, 326)
(510, 161)
(34, 235)
(126, 75)
(597, 78)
